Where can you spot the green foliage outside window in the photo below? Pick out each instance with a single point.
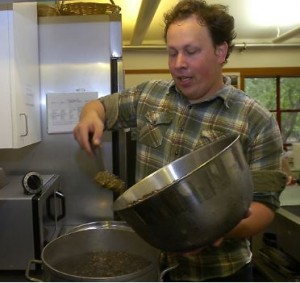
(288, 95)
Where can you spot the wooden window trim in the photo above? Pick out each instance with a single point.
(244, 72)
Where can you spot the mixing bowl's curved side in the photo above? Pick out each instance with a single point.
(174, 172)
(198, 209)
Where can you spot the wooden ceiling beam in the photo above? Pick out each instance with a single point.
(288, 35)
(147, 11)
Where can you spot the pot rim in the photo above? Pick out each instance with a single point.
(107, 226)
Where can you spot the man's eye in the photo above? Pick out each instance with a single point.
(172, 54)
(191, 52)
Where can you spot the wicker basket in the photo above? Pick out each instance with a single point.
(87, 8)
(46, 10)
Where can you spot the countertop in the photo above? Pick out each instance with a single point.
(290, 203)
(290, 196)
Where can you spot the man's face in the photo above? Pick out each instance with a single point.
(194, 62)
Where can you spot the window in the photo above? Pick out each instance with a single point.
(281, 95)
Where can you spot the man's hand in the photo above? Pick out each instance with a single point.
(88, 132)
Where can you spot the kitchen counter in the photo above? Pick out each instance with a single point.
(290, 196)
(288, 222)
(286, 232)
(290, 204)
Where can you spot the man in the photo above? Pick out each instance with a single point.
(173, 118)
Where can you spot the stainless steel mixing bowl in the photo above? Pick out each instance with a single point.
(192, 201)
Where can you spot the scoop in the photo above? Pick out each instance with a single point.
(110, 181)
(105, 178)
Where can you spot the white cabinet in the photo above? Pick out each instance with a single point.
(20, 121)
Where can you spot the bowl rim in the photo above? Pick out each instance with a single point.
(126, 203)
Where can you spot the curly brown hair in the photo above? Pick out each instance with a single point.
(219, 23)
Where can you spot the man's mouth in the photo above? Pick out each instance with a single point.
(184, 80)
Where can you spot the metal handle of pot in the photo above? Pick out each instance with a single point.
(27, 273)
(162, 274)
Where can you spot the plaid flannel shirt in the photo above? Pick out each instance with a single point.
(167, 126)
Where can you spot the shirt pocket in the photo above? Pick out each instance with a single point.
(154, 128)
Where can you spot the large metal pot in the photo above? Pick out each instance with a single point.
(93, 237)
(192, 201)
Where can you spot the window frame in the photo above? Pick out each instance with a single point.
(276, 73)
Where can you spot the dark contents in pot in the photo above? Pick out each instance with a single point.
(102, 264)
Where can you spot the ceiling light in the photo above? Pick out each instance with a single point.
(274, 12)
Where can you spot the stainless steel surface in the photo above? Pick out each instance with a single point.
(290, 196)
(3, 179)
(75, 54)
(99, 236)
(288, 222)
(288, 232)
(192, 201)
(25, 223)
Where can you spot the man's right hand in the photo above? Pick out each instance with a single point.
(89, 130)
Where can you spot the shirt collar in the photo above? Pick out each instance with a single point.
(223, 93)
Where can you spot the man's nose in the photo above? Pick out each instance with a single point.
(180, 61)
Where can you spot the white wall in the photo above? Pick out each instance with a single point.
(141, 60)
(250, 58)
(264, 58)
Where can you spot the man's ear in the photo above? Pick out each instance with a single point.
(221, 52)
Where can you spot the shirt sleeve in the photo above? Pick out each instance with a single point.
(120, 108)
(264, 151)
(268, 185)
(111, 111)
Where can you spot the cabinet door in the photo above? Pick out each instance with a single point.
(23, 75)
(26, 75)
(5, 102)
